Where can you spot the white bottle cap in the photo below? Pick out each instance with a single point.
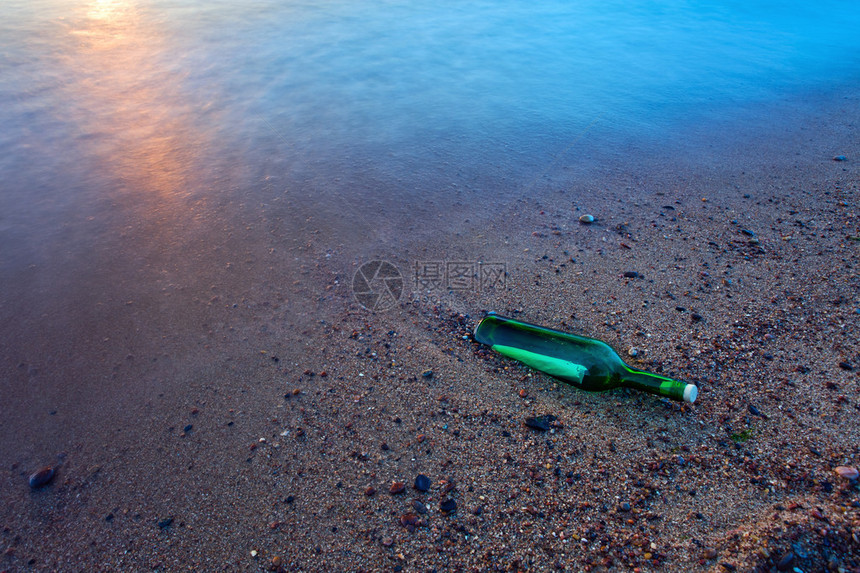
(690, 393)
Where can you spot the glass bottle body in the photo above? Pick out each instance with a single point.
(586, 363)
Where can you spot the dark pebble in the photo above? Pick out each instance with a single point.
(845, 366)
(541, 423)
(747, 232)
(631, 275)
(187, 428)
(756, 412)
(448, 506)
(785, 562)
(840, 158)
(728, 566)
(165, 523)
(427, 374)
(419, 507)
(422, 482)
(370, 491)
(696, 317)
(397, 487)
(42, 477)
(624, 506)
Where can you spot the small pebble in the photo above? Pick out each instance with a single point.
(840, 158)
(409, 519)
(422, 482)
(448, 506)
(848, 472)
(369, 491)
(427, 374)
(419, 507)
(397, 487)
(586, 219)
(785, 562)
(42, 477)
(633, 352)
(709, 553)
(541, 423)
(756, 412)
(624, 506)
(165, 523)
(631, 275)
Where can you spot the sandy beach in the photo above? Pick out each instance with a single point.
(244, 246)
(235, 408)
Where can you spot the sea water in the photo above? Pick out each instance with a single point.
(139, 133)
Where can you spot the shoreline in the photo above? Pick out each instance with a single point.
(279, 459)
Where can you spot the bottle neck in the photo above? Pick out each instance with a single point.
(656, 384)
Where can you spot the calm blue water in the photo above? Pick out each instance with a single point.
(164, 121)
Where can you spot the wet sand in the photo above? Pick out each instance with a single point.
(227, 405)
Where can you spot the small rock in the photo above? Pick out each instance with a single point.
(419, 507)
(397, 487)
(369, 491)
(586, 219)
(633, 352)
(631, 275)
(624, 507)
(427, 374)
(785, 562)
(709, 553)
(448, 506)
(422, 482)
(848, 472)
(541, 423)
(42, 477)
(846, 366)
(165, 523)
(756, 412)
(409, 520)
(187, 428)
(840, 158)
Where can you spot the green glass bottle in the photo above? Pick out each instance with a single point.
(582, 362)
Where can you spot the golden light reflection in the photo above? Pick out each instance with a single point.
(128, 101)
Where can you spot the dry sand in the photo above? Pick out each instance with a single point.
(256, 419)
